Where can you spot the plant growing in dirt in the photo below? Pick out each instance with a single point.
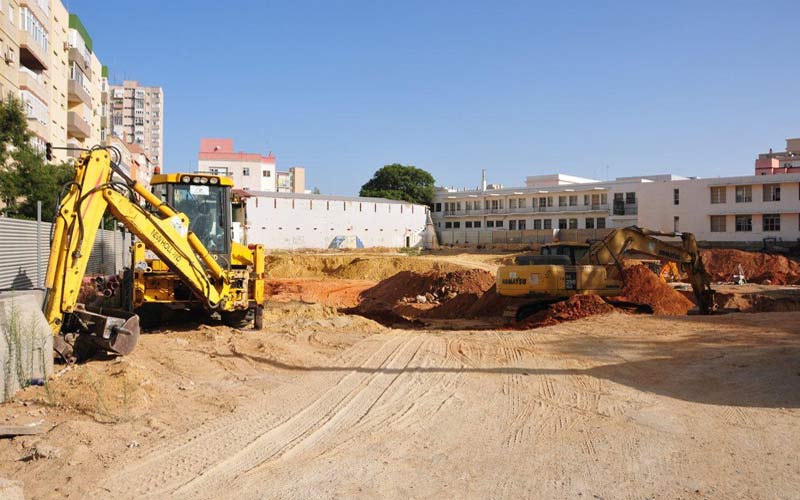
(15, 339)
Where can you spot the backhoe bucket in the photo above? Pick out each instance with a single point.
(110, 329)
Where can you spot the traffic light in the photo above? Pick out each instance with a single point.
(48, 151)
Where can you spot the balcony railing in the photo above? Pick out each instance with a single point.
(525, 210)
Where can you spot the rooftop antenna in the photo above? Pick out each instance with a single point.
(483, 180)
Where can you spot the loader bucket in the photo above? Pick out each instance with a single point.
(114, 330)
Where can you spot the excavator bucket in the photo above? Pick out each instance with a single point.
(110, 329)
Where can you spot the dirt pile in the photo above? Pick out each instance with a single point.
(350, 267)
(642, 286)
(335, 293)
(576, 307)
(409, 295)
(758, 267)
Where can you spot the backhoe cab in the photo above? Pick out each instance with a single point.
(183, 257)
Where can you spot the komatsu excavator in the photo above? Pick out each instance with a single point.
(177, 262)
(563, 269)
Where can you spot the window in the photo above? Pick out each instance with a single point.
(468, 224)
(586, 198)
(266, 173)
(512, 203)
(489, 223)
(676, 223)
(744, 194)
(521, 203)
(676, 196)
(562, 201)
(537, 224)
(630, 198)
(601, 223)
(521, 225)
(456, 225)
(498, 223)
(573, 223)
(512, 225)
(246, 171)
(549, 201)
(476, 205)
(772, 192)
(619, 197)
(548, 224)
(448, 225)
(718, 224)
(562, 223)
(589, 223)
(744, 223)
(438, 207)
(542, 202)
(477, 224)
(573, 200)
(718, 194)
(771, 222)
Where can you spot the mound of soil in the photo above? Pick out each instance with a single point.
(446, 295)
(576, 307)
(349, 267)
(642, 286)
(758, 267)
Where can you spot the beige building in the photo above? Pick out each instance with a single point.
(137, 116)
(47, 60)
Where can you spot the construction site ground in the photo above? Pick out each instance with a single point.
(326, 404)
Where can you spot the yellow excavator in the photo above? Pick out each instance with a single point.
(565, 269)
(178, 261)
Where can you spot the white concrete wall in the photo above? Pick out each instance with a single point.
(313, 222)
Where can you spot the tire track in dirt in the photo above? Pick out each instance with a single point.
(184, 458)
(308, 431)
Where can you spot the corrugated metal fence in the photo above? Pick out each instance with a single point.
(25, 246)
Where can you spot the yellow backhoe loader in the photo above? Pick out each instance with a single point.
(184, 256)
(562, 270)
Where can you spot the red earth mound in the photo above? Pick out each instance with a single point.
(576, 307)
(642, 286)
(432, 294)
(758, 267)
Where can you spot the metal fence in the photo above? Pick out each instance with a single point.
(25, 246)
(498, 236)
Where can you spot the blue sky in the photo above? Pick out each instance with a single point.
(519, 88)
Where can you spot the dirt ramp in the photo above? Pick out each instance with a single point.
(758, 267)
(643, 287)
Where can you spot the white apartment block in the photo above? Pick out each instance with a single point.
(294, 220)
(249, 171)
(137, 117)
(743, 209)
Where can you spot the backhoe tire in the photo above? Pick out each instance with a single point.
(238, 319)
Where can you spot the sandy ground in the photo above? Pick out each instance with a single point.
(612, 407)
(326, 405)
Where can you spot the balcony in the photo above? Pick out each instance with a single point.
(31, 54)
(82, 59)
(33, 83)
(77, 126)
(37, 128)
(76, 93)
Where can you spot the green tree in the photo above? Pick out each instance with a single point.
(13, 128)
(401, 182)
(28, 179)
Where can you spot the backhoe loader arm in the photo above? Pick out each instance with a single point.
(612, 248)
(165, 232)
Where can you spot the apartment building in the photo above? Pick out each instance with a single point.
(47, 60)
(730, 209)
(249, 171)
(783, 162)
(137, 116)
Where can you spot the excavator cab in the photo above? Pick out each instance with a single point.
(206, 201)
